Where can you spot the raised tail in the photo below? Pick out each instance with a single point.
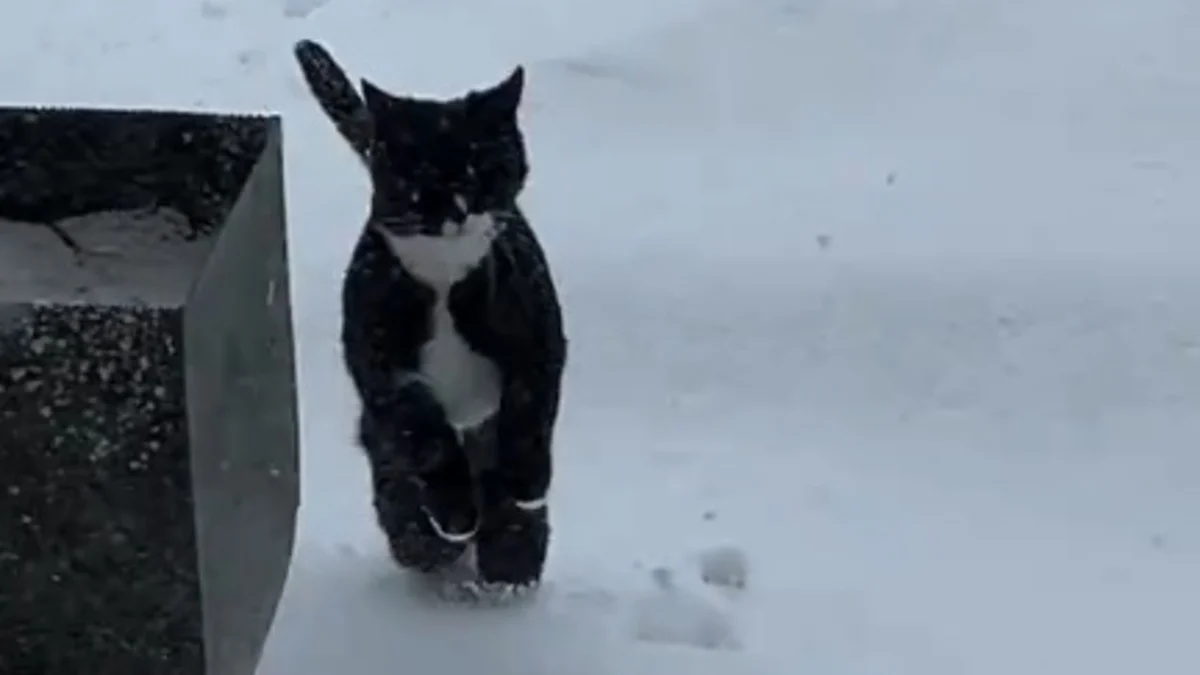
(336, 95)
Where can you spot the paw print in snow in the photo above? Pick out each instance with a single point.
(724, 566)
(675, 616)
(299, 9)
(213, 10)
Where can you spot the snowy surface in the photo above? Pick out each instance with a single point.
(894, 304)
(119, 257)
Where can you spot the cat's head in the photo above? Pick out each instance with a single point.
(434, 163)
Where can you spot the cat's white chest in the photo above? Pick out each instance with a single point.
(466, 382)
(441, 261)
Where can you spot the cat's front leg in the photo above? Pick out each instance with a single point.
(448, 497)
(525, 431)
(441, 468)
(405, 421)
(425, 449)
(512, 544)
(400, 510)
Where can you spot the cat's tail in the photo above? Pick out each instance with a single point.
(336, 95)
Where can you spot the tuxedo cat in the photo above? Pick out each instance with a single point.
(451, 327)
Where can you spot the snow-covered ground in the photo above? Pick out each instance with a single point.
(896, 299)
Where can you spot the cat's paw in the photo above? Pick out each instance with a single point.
(421, 550)
(475, 592)
(525, 496)
(451, 509)
(459, 584)
(451, 525)
(503, 594)
(511, 547)
(522, 484)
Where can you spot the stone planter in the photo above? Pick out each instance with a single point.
(148, 425)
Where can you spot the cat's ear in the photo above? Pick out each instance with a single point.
(504, 98)
(378, 101)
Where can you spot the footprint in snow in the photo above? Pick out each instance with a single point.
(671, 615)
(724, 567)
(299, 9)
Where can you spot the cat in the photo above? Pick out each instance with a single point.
(452, 330)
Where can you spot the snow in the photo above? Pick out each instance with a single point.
(157, 264)
(896, 301)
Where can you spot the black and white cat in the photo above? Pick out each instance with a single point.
(451, 328)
